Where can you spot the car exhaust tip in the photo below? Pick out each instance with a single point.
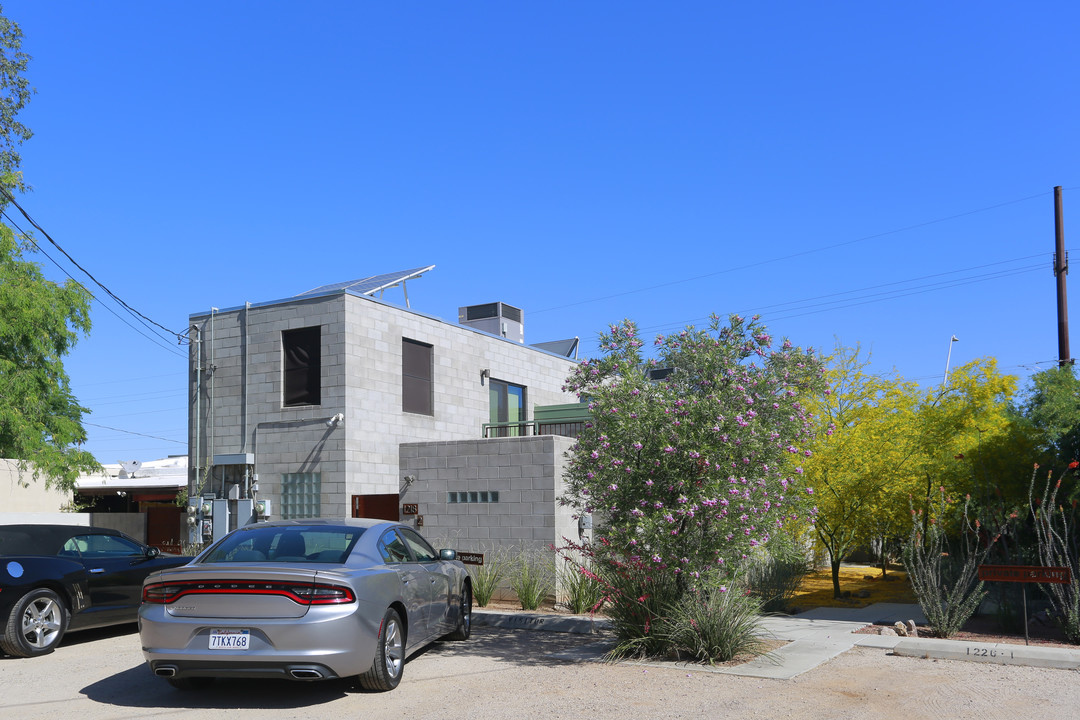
(305, 674)
(166, 671)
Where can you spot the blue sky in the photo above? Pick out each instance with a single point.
(878, 173)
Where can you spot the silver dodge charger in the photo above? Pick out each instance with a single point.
(304, 600)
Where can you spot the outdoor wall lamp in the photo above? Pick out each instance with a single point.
(485, 374)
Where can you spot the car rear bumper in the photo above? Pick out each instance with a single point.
(326, 643)
(281, 670)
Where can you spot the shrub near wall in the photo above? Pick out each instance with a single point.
(691, 472)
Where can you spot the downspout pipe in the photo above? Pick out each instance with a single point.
(197, 349)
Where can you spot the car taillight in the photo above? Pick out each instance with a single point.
(301, 593)
(325, 594)
(161, 593)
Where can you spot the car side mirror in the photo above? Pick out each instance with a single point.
(448, 554)
(152, 552)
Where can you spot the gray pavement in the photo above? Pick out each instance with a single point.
(812, 638)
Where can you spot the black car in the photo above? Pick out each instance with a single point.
(55, 578)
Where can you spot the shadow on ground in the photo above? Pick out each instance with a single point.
(138, 688)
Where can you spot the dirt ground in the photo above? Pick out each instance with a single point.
(510, 674)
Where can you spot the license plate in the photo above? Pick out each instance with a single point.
(224, 639)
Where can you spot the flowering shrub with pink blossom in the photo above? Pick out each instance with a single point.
(688, 474)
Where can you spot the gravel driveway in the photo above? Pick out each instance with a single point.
(508, 674)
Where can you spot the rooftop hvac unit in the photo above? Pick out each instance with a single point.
(495, 318)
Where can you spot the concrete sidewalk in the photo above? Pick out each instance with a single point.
(813, 637)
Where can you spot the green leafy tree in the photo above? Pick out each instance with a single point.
(954, 420)
(862, 455)
(15, 92)
(691, 471)
(1051, 404)
(40, 419)
(884, 443)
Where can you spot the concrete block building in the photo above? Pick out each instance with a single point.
(337, 403)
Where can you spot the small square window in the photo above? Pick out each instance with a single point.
(301, 495)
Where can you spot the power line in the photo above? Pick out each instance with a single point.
(129, 432)
(792, 256)
(807, 304)
(154, 339)
(11, 198)
(894, 295)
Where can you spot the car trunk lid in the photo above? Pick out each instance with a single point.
(248, 592)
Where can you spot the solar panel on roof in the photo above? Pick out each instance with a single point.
(370, 285)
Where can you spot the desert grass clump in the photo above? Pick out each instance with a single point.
(486, 577)
(532, 578)
(775, 574)
(637, 600)
(713, 622)
(579, 587)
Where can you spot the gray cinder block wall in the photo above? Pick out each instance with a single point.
(527, 474)
(236, 388)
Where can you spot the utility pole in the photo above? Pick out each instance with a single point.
(1061, 269)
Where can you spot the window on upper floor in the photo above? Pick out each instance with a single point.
(507, 406)
(417, 370)
(301, 366)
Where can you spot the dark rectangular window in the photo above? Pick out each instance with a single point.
(301, 363)
(417, 368)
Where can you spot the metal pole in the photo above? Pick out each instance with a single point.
(1023, 587)
(1061, 269)
(945, 379)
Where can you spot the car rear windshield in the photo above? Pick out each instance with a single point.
(292, 544)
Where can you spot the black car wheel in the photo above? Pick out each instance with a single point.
(36, 624)
(389, 662)
(464, 627)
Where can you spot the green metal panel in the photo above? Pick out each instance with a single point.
(566, 413)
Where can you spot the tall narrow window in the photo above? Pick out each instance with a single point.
(507, 406)
(417, 388)
(301, 363)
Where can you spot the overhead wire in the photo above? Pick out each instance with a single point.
(152, 338)
(792, 256)
(130, 432)
(795, 306)
(11, 198)
(149, 334)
